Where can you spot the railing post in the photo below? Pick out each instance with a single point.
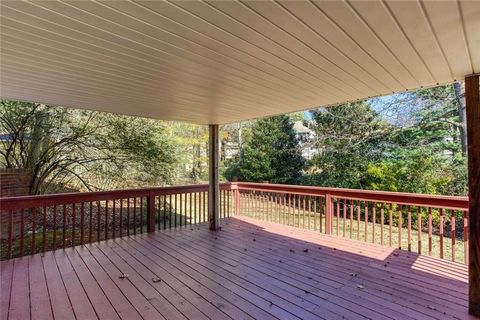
(328, 214)
(151, 212)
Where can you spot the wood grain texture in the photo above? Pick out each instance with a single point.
(472, 98)
(193, 273)
(213, 174)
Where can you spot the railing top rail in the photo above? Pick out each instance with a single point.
(22, 202)
(414, 199)
(447, 202)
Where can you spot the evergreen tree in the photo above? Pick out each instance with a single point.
(271, 155)
(348, 138)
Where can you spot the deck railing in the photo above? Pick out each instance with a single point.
(433, 225)
(33, 224)
(427, 224)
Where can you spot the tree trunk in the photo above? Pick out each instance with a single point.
(460, 101)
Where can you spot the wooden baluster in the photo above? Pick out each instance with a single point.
(419, 228)
(82, 223)
(366, 221)
(294, 209)
(185, 211)
(382, 222)
(44, 233)
(175, 211)
(299, 209)
(162, 212)
(275, 207)
(195, 207)
(90, 217)
(106, 219)
(351, 218)
(64, 226)
(22, 233)
(114, 218)
(390, 223)
(429, 231)
(10, 235)
(409, 228)
(121, 215)
(158, 212)
(400, 222)
(280, 207)
(99, 222)
(321, 210)
(135, 215)
(303, 218)
(359, 213)
(453, 235)
(128, 216)
(34, 227)
(309, 211)
(344, 217)
(338, 216)
(270, 211)
(441, 233)
(205, 206)
(170, 211)
(141, 215)
(374, 221)
(224, 203)
(465, 237)
(74, 222)
(54, 238)
(181, 212)
(190, 208)
(289, 205)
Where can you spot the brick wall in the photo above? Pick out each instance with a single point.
(14, 182)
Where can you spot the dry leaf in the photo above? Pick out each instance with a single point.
(359, 286)
(155, 280)
(123, 276)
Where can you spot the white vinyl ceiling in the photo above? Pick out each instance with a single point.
(225, 61)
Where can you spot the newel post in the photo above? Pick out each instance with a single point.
(472, 102)
(151, 212)
(328, 214)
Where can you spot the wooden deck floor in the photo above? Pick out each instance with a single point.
(248, 270)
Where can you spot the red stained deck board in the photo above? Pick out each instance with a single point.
(226, 274)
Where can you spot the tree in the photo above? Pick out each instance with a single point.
(426, 154)
(348, 138)
(271, 155)
(68, 149)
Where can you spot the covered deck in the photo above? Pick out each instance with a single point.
(249, 269)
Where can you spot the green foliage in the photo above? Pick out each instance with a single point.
(271, 155)
(348, 138)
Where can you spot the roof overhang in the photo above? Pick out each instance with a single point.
(225, 61)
